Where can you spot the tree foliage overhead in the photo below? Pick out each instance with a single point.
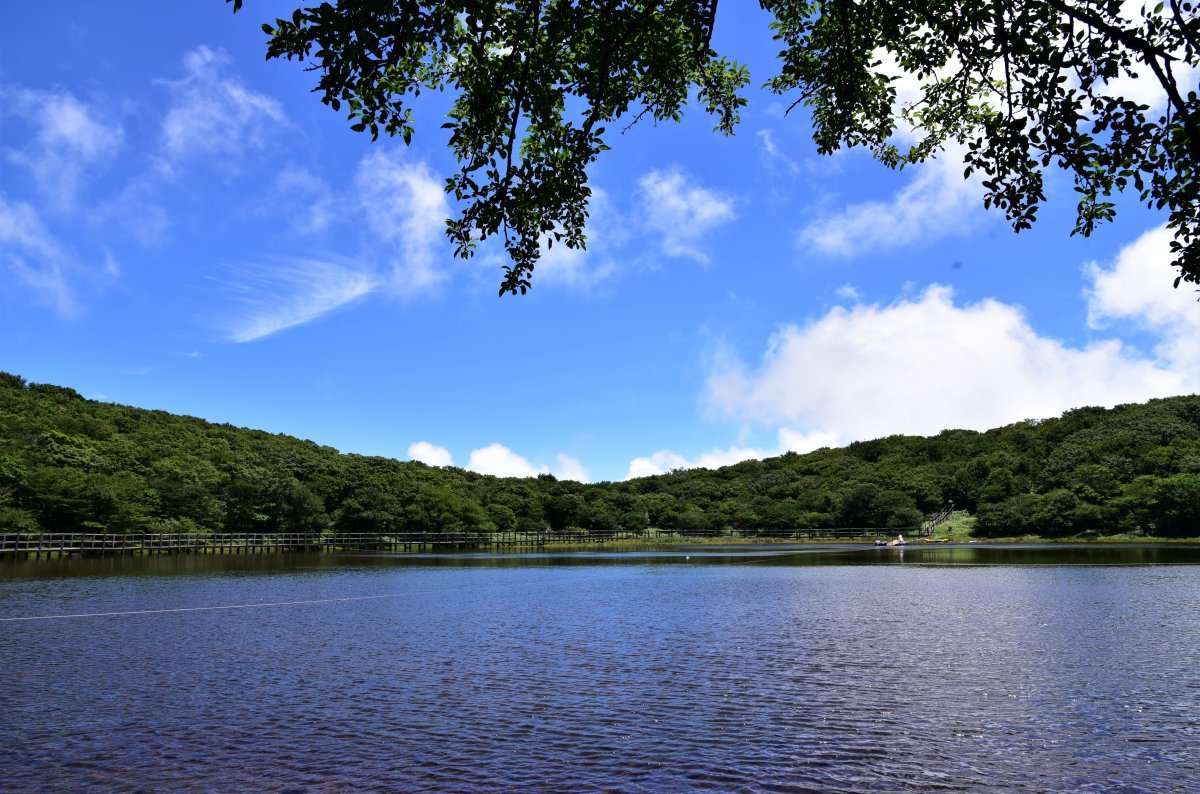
(535, 85)
(1023, 84)
(73, 465)
(539, 86)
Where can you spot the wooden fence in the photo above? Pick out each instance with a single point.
(934, 520)
(63, 544)
(67, 544)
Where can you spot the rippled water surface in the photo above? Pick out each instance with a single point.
(815, 668)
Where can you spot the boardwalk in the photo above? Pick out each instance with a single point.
(54, 544)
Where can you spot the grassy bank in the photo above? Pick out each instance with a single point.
(958, 530)
(1091, 538)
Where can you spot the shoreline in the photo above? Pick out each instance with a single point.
(654, 542)
(648, 543)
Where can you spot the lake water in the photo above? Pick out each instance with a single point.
(753, 668)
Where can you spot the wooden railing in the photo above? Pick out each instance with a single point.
(67, 544)
(934, 520)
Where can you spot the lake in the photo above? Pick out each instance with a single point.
(745, 668)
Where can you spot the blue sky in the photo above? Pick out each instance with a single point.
(183, 226)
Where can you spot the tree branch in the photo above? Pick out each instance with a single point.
(519, 100)
(709, 22)
(1150, 56)
(1184, 30)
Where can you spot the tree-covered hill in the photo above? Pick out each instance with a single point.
(72, 464)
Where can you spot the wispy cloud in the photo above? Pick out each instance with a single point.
(682, 212)
(848, 292)
(583, 269)
(404, 204)
(305, 199)
(136, 211)
(404, 209)
(773, 157)
(273, 297)
(937, 203)
(71, 141)
(212, 113)
(34, 259)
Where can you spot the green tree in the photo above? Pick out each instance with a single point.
(1055, 512)
(1013, 516)
(186, 485)
(68, 464)
(1135, 506)
(373, 508)
(14, 480)
(563, 510)
(1179, 504)
(1021, 83)
(502, 517)
(297, 508)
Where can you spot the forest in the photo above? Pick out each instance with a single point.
(69, 464)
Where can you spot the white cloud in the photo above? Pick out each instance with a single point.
(773, 157)
(583, 269)
(430, 454)
(923, 365)
(1141, 86)
(936, 203)
(304, 198)
(500, 461)
(939, 201)
(849, 292)
(1144, 89)
(665, 460)
(213, 113)
(789, 440)
(574, 268)
(135, 211)
(569, 468)
(682, 212)
(404, 204)
(70, 142)
(35, 259)
(404, 209)
(910, 91)
(1137, 288)
(291, 293)
(800, 442)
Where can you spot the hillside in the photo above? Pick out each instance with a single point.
(72, 464)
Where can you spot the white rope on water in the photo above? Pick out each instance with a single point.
(200, 609)
(757, 558)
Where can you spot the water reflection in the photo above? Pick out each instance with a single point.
(806, 554)
(748, 668)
